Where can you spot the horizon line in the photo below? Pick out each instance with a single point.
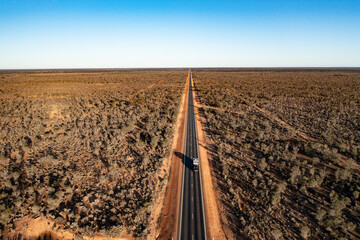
(175, 68)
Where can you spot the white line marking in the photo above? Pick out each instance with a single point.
(192, 216)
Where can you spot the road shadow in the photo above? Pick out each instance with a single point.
(185, 160)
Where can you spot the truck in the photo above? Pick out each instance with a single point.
(195, 164)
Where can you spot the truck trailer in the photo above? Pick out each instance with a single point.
(196, 164)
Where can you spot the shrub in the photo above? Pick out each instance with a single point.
(276, 233)
(320, 214)
(305, 231)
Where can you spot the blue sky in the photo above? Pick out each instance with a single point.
(120, 34)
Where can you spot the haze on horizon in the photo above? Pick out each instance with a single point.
(114, 34)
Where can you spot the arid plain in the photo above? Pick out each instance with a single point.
(284, 147)
(91, 153)
(85, 150)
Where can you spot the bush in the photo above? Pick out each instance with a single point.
(305, 231)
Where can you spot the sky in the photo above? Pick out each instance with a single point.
(43, 34)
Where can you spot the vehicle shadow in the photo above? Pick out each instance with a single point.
(185, 160)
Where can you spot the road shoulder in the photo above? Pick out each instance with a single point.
(169, 204)
(214, 229)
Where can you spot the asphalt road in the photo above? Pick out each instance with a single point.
(191, 219)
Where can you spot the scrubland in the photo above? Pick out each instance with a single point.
(285, 151)
(85, 149)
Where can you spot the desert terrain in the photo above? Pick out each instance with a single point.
(284, 148)
(84, 151)
(96, 154)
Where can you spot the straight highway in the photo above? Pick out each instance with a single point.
(192, 217)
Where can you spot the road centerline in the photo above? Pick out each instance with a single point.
(191, 219)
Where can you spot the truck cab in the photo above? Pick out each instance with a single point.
(195, 164)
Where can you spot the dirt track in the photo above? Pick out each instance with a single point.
(342, 162)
